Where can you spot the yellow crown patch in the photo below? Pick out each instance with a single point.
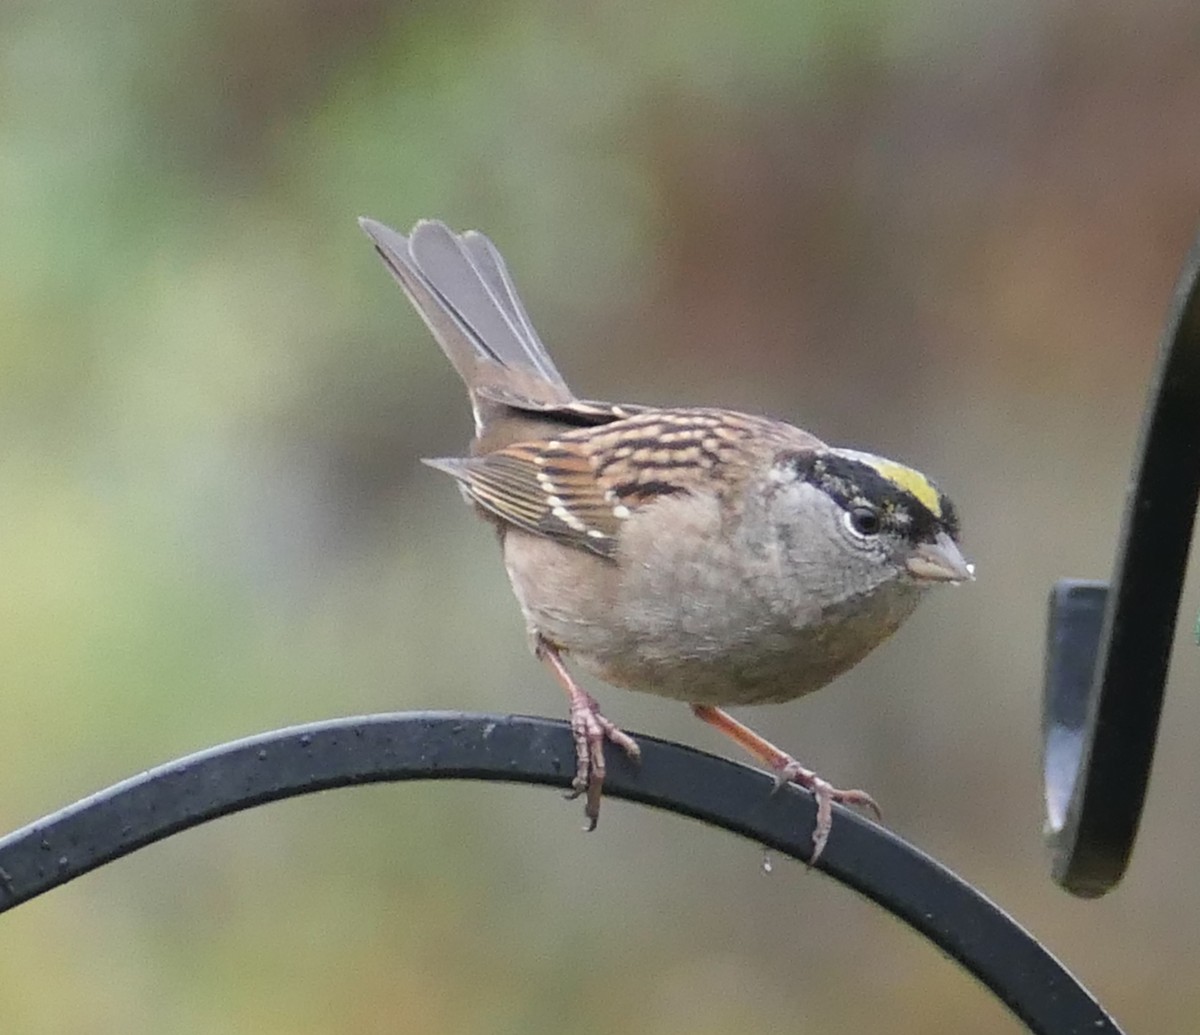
(907, 479)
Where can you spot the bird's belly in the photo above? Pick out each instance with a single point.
(770, 669)
(766, 663)
(705, 633)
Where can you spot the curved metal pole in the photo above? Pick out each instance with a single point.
(449, 745)
(1109, 648)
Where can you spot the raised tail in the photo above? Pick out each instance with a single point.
(464, 293)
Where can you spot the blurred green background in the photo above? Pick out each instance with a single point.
(944, 231)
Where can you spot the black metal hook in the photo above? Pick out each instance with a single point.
(1109, 646)
(448, 745)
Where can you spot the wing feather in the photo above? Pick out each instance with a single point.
(578, 488)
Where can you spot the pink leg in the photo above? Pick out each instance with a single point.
(788, 770)
(590, 730)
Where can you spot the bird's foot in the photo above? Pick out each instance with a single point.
(590, 730)
(791, 771)
(788, 770)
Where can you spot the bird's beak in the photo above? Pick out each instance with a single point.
(940, 561)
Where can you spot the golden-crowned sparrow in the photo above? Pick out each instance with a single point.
(701, 554)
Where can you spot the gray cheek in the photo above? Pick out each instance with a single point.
(817, 552)
(806, 532)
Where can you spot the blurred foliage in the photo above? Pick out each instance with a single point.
(945, 231)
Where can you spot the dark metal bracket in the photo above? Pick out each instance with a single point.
(1109, 646)
(446, 745)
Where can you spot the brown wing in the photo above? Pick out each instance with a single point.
(579, 488)
(684, 450)
(549, 488)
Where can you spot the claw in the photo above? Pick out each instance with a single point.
(788, 770)
(825, 794)
(589, 730)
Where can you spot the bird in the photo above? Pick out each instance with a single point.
(702, 554)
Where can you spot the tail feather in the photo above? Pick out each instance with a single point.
(462, 290)
(489, 264)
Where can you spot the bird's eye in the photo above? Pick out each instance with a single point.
(864, 520)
